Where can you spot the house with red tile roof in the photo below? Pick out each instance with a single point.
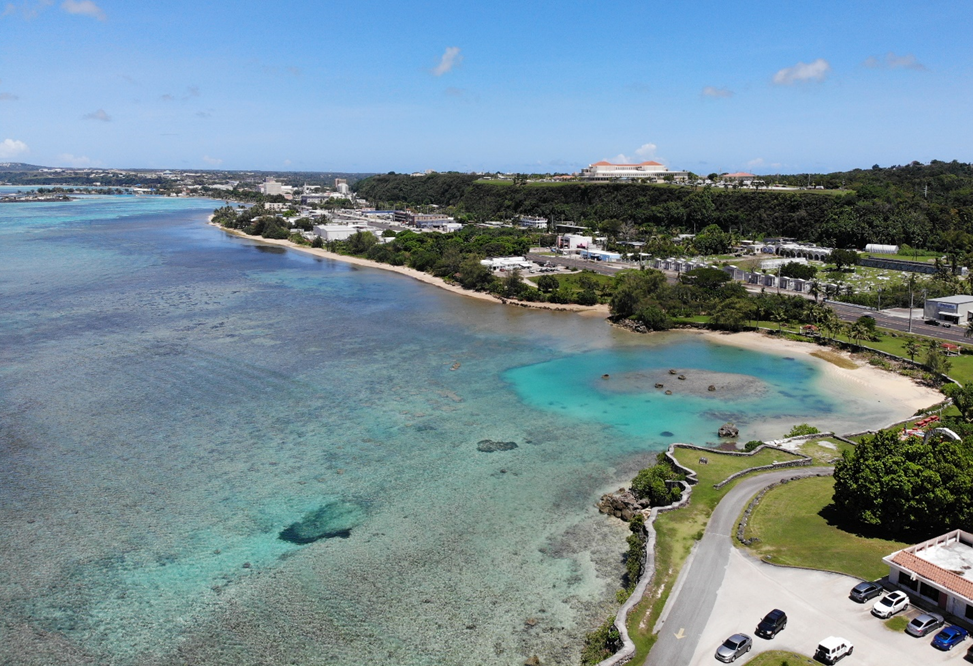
(939, 570)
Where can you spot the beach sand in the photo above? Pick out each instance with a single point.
(589, 310)
(865, 380)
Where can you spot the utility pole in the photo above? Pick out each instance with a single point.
(910, 304)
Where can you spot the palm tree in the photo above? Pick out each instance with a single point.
(858, 332)
(912, 347)
(779, 317)
(815, 289)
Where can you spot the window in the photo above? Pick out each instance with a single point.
(906, 581)
(969, 612)
(929, 591)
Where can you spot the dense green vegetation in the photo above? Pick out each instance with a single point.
(929, 206)
(910, 489)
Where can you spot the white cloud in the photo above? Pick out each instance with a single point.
(27, 10)
(83, 8)
(68, 159)
(451, 58)
(814, 71)
(8, 97)
(12, 148)
(754, 163)
(97, 115)
(644, 153)
(892, 61)
(212, 161)
(710, 91)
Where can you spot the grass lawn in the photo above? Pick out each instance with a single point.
(792, 530)
(571, 280)
(677, 531)
(897, 623)
(781, 658)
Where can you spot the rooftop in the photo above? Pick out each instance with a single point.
(946, 561)
(962, 298)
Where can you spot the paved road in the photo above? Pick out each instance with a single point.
(850, 313)
(575, 264)
(691, 609)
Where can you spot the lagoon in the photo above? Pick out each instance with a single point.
(172, 399)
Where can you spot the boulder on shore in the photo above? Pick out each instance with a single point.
(728, 430)
(622, 504)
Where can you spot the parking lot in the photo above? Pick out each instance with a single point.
(817, 606)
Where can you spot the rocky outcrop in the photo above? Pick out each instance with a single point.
(489, 446)
(622, 504)
(728, 430)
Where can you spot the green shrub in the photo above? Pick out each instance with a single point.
(802, 429)
(752, 444)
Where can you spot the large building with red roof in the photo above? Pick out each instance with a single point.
(651, 170)
(939, 570)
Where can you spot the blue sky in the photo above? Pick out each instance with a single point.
(514, 86)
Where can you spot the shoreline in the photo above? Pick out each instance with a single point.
(584, 310)
(891, 386)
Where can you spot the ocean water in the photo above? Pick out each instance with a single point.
(172, 399)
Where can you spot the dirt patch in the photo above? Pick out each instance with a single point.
(836, 359)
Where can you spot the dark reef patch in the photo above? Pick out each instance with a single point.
(329, 521)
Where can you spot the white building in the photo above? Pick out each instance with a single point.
(270, 187)
(939, 570)
(532, 222)
(600, 255)
(507, 263)
(341, 186)
(575, 242)
(607, 171)
(951, 309)
(338, 232)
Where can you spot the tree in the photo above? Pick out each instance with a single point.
(317, 242)
(905, 489)
(935, 358)
(653, 317)
(912, 347)
(631, 288)
(779, 317)
(858, 332)
(548, 283)
(650, 484)
(841, 258)
(962, 397)
(732, 314)
(797, 270)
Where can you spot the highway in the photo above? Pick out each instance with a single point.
(691, 609)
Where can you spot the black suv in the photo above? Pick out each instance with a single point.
(773, 624)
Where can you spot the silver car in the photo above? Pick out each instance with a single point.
(924, 624)
(733, 647)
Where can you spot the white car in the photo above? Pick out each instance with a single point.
(890, 604)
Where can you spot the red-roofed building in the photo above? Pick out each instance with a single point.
(939, 570)
(605, 170)
(740, 175)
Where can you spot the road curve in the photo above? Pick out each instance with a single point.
(690, 611)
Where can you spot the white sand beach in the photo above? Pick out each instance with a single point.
(591, 310)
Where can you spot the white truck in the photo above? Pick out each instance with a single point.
(833, 648)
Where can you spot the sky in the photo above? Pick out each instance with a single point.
(536, 87)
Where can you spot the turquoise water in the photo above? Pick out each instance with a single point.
(172, 399)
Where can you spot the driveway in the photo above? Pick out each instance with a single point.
(690, 610)
(817, 606)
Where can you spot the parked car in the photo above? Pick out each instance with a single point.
(932, 322)
(865, 591)
(733, 647)
(890, 604)
(833, 648)
(949, 638)
(924, 624)
(772, 624)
